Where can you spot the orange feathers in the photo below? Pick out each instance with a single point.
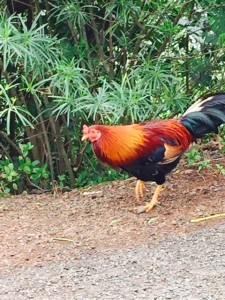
(122, 145)
(118, 144)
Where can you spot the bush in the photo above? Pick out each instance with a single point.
(74, 62)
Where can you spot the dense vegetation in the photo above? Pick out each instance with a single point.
(66, 63)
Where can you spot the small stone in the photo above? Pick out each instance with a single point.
(140, 209)
(174, 222)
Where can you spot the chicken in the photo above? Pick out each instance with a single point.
(149, 151)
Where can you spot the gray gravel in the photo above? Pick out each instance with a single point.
(185, 267)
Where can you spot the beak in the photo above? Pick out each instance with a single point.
(84, 138)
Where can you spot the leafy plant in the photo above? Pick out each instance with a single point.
(20, 113)
(193, 156)
(26, 148)
(61, 180)
(203, 164)
(8, 171)
(221, 168)
(25, 168)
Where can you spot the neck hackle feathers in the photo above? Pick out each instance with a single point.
(118, 145)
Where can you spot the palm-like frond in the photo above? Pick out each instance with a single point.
(30, 48)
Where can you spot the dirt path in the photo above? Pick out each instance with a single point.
(42, 235)
(187, 267)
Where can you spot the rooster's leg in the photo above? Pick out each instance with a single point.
(139, 190)
(154, 200)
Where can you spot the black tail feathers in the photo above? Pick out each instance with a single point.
(206, 115)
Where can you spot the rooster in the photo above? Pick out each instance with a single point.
(149, 151)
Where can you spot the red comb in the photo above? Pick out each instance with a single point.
(85, 129)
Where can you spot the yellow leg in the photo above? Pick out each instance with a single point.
(139, 190)
(154, 200)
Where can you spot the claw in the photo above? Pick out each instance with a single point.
(154, 200)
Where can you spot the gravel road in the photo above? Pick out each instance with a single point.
(190, 266)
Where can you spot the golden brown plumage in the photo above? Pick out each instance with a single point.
(122, 145)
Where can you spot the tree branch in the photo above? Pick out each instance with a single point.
(101, 53)
(10, 142)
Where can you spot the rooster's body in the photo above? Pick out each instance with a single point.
(151, 150)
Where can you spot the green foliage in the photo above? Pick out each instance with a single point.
(61, 180)
(26, 148)
(193, 156)
(203, 164)
(88, 177)
(9, 103)
(8, 171)
(31, 48)
(112, 62)
(12, 174)
(221, 168)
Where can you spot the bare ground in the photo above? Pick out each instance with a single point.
(41, 229)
